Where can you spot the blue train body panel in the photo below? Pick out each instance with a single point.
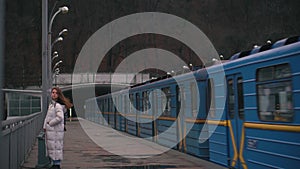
(279, 148)
(146, 130)
(194, 145)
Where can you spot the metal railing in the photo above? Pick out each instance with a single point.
(18, 136)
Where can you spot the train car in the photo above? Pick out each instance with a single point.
(119, 111)
(131, 110)
(171, 114)
(260, 126)
(92, 110)
(240, 114)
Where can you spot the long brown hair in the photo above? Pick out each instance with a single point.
(61, 98)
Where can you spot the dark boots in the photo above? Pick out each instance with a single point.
(55, 167)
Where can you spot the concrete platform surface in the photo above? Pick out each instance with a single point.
(88, 145)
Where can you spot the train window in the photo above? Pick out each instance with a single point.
(115, 104)
(137, 99)
(180, 99)
(194, 99)
(166, 102)
(154, 103)
(275, 102)
(274, 72)
(131, 106)
(119, 108)
(125, 102)
(240, 98)
(101, 106)
(231, 99)
(105, 106)
(211, 107)
(146, 103)
(110, 105)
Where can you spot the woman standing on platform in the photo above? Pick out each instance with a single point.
(54, 126)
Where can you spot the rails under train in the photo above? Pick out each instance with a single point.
(258, 126)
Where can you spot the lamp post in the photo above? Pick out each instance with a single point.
(63, 10)
(46, 73)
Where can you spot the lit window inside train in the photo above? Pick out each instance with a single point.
(231, 99)
(125, 105)
(166, 102)
(178, 101)
(131, 107)
(274, 87)
(146, 103)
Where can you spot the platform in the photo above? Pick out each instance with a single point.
(88, 145)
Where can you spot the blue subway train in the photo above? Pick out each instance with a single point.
(244, 113)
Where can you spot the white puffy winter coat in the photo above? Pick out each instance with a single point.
(54, 126)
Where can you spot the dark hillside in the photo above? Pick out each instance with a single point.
(232, 26)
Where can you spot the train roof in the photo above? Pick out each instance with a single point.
(201, 74)
(265, 47)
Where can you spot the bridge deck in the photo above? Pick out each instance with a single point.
(90, 145)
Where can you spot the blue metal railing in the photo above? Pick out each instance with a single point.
(18, 136)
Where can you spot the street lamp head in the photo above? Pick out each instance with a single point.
(214, 59)
(64, 9)
(57, 70)
(221, 57)
(63, 32)
(60, 39)
(57, 40)
(56, 64)
(185, 67)
(55, 55)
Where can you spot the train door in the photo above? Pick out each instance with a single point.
(125, 111)
(179, 119)
(115, 112)
(235, 116)
(154, 108)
